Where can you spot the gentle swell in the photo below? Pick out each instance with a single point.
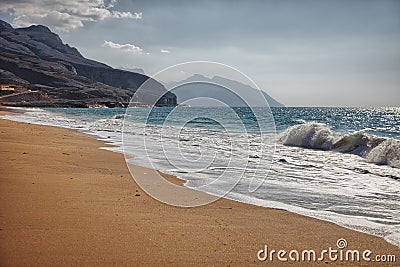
(381, 151)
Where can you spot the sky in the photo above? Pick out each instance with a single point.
(302, 53)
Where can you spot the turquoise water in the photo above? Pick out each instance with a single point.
(384, 122)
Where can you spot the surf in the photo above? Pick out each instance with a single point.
(377, 150)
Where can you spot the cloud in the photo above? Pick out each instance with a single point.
(165, 51)
(126, 15)
(125, 47)
(63, 16)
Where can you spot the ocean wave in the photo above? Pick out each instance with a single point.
(301, 121)
(112, 125)
(202, 121)
(381, 151)
(386, 153)
(119, 116)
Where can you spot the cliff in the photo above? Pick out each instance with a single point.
(44, 71)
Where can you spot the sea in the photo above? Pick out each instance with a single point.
(336, 164)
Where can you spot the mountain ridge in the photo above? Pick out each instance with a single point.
(230, 92)
(56, 74)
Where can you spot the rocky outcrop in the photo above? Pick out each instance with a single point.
(55, 74)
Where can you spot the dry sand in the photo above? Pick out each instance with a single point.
(66, 202)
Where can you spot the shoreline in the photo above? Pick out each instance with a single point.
(175, 179)
(343, 220)
(229, 232)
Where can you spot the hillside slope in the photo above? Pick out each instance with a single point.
(43, 71)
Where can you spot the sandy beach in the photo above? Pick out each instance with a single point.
(66, 202)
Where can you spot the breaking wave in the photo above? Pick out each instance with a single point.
(381, 151)
(119, 116)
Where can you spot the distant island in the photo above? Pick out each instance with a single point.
(223, 90)
(37, 69)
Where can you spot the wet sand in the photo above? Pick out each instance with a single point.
(66, 202)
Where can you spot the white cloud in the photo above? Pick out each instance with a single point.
(164, 51)
(62, 15)
(126, 15)
(125, 47)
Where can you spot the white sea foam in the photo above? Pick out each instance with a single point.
(386, 153)
(382, 151)
(339, 187)
(309, 135)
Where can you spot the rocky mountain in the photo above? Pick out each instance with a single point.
(204, 91)
(38, 69)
